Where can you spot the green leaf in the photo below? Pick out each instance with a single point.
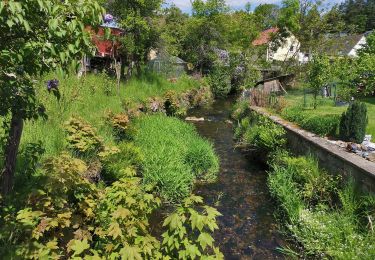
(130, 253)
(10, 23)
(114, 230)
(197, 221)
(80, 246)
(205, 240)
(53, 23)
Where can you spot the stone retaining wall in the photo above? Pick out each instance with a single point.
(331, 157)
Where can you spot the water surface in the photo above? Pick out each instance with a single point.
(247, 229)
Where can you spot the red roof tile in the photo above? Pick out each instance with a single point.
(265, 36)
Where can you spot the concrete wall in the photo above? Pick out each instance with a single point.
(331, 157)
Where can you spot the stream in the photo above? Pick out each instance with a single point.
(247, 229)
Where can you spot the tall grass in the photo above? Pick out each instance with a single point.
(174, 155)
(90, 98)
(329, 220)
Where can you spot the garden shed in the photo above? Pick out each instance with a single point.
(169, 65)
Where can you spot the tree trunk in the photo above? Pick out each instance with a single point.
(11, 150)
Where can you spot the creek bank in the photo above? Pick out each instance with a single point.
(331, 157)
(325, 214)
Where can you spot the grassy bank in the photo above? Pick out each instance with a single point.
(91, 98)
(322, 120)
(328, 216)
(91, 175)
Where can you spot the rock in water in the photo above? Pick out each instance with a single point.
(196, 119)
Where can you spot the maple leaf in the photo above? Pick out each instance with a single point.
(121, 213)
(114, 230)
(205, 240)
(79, 246)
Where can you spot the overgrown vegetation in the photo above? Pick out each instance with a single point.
(90, 194)
(326, 214)
(174, 155)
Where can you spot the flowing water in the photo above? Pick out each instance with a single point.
(247, 229)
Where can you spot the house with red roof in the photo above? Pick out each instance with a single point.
(278, 47)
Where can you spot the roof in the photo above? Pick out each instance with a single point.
(265, 36)
(342, 44)
(169, 58)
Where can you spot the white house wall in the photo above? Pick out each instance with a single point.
(284, 52)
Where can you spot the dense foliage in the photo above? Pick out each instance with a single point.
(328, 218)
(174, 155)
(91, 201)
(326, 214)
(37, 36)
(325, 125)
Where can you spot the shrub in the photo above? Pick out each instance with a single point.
(322, 125)
(61, 203)
(123, 220)
(171, 150)
(82, 137)
(220, 81)
(354, 122)
(189, 231)
(119, 124)
(263, 134)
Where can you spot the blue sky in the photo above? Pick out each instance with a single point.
(237, 4)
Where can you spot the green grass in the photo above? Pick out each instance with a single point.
(328, 219)
(326, 107)
(174, 155)
(87, 99)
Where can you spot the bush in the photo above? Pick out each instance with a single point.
(119, 124)
(82, 138)
(173, 153)
(354, 122)
(263, 134)
(220, 81)
(322, 125)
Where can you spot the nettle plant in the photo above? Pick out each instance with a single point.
(36, 37)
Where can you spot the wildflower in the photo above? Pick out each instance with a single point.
(52, 84)
(108, 18)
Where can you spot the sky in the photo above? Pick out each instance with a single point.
(185, 5)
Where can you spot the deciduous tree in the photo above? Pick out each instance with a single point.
(36, 37)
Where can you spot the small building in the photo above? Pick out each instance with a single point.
(106, 54)
(169, 65)
(286, 49)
